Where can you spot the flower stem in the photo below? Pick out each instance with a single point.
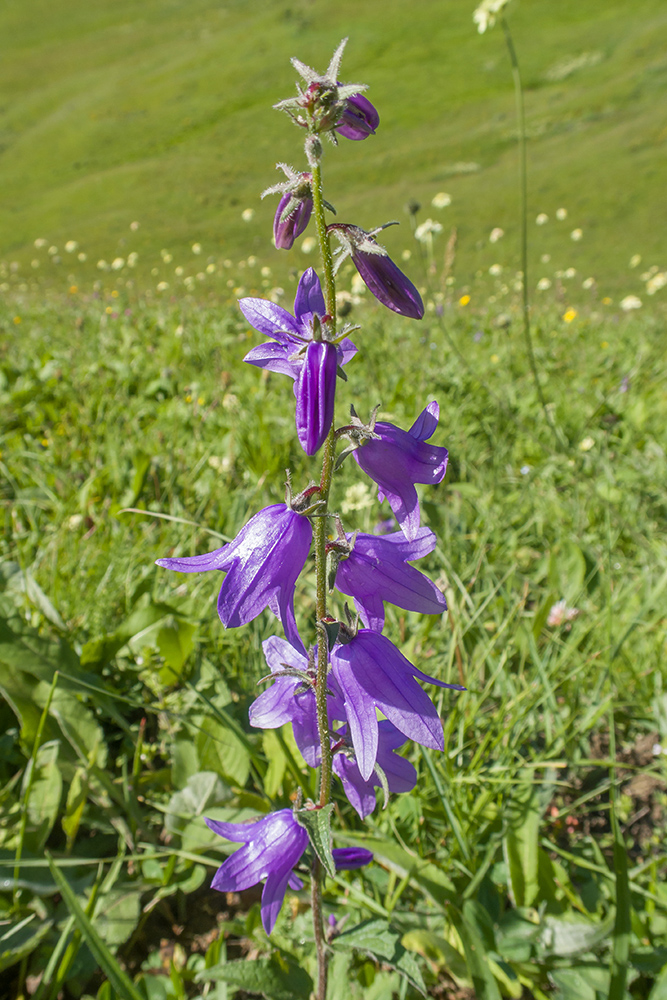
(523, 201)
(320, 535)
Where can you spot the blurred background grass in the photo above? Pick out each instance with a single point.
(157, 113)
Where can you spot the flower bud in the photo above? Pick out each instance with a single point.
(315, 390)
(289, 224)
(359, 118)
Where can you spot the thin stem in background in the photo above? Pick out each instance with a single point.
(523, 203)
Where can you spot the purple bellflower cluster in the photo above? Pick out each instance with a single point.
(352, 697)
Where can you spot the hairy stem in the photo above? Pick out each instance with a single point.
(319, 536)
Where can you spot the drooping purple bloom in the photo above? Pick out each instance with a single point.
(287, 229)
(315, 390)
(398, 459)
(262, 565)
(290, 333)
(379, 273)
(373, 674)
(272, 847)
(280, 704)
(359, 118)
(377, 570)
(399, 772)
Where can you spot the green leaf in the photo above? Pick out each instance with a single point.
(117, 914)
(570, 937)
(622, 924)
(582, 982)
(439, 951)
(376, 938)
(474, 932)
(659, 991)
(202, 790)
(175, 640)
(520, 843)
(221, 750)
(21, 938)
(276, 981)
(426, 874)
(45, 784)
(273, 778)
(118, 979)
(317, 822)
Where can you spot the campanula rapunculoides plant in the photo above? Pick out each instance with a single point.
(332, 683)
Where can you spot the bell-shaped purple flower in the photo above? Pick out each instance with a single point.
(290, 333)
(388, 284)
(398, 459)
(399, 772)
(315, 389)
(286, 228)
(379, 273)
(377, 570)
(272, 847)
(281, 703)
(262, 565)
(373, 674)
(359, 118)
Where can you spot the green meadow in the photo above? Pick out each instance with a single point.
(530, 860)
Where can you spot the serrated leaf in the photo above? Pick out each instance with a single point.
(570, 937)
(285, 981)
(317, 823)
(378, 939)
(582, 982)
(221, 750)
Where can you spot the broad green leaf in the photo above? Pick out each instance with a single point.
(175, 640)
(439, 951)
(220, 750)
(202, 790)
(565, 938)
(474, 937)
(101, 650)
(378, 939)
(659, 991)
(117, 977)
(520, 842)
(20, 938)
(581, 982)
(317, 822)
(275, 755)
(116, 915)
(76, 801)
(426, 874)
(284, 981)
(45, 793)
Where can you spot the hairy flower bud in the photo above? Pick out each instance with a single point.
(359, 118)
(384, 279)
(292, 217)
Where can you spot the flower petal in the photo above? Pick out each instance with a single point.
(270, 319)
(309, 298)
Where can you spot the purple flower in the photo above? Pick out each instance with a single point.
(291, 333)
(399, 772)
(385, 280)
(359, 118)
(262, 564)
(373, 674)
(377, 570)
(398, 459)
(280, 704)
(315, 390)
(286, 228)
(272, 846)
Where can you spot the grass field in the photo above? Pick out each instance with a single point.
(157, 113)
(530, 860)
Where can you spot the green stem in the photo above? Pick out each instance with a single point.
(523, 202)
(320, 537)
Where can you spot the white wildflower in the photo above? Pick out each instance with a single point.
(630, 302)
